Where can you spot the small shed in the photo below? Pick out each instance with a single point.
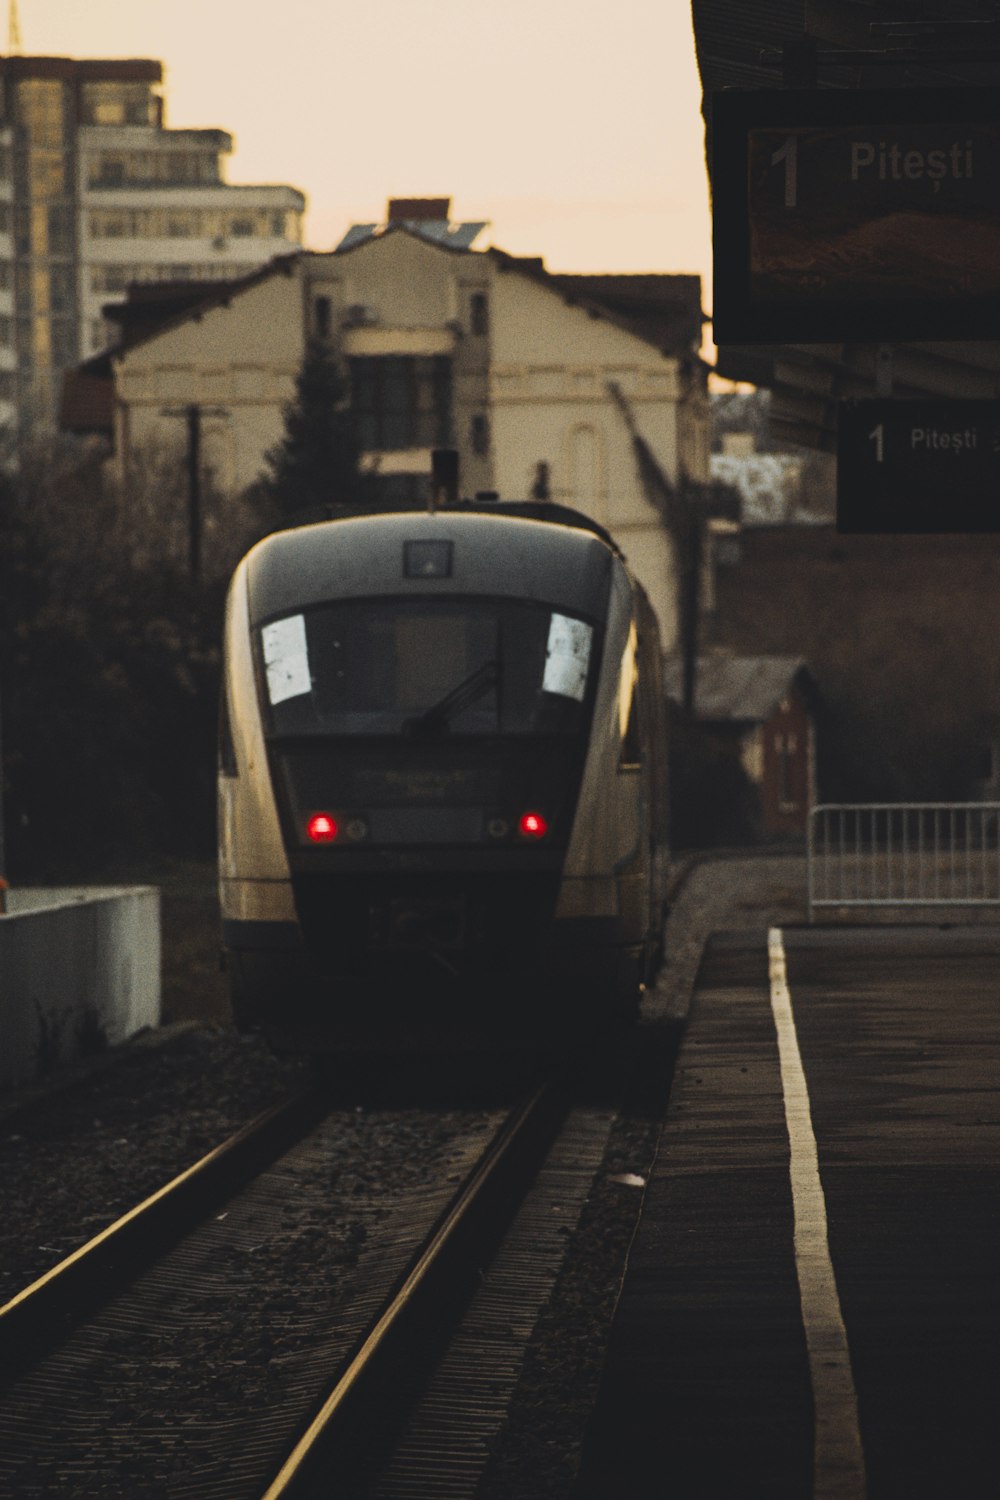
(763, 707)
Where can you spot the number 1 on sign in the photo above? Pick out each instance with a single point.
(789, 154)
(877, 436)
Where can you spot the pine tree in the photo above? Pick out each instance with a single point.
(315, 468)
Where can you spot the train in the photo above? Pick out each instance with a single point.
(442, 792)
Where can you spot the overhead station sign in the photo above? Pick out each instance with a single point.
(918, 466)
(845, 215)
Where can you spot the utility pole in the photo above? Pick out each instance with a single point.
(192, 416)
(683, 510)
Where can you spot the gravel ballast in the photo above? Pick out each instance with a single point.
(79, 1155)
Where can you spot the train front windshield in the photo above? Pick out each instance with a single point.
(424, 668)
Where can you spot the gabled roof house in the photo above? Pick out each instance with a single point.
(543, 383)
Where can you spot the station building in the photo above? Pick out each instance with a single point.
(586, 390)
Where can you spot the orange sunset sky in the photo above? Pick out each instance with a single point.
(573, 126)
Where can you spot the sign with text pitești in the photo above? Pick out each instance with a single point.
(856, 215)
(918, 466)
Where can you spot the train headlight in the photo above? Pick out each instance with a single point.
(531, 825)
(322, 829)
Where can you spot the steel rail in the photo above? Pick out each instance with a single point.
(43, 1314)
(373, 1384)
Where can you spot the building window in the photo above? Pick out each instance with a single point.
(109, 278)
(113, 171)
(118, 103)
(180, 223)
(120, 168)
(25, 331)
(401, 402)
(60, 225)
(112, 226)
(61, 288)
(541, 488)
(41, 108)
(323, 317)
(22, 229)
(65, 350)
(479, 313)
(479, 433)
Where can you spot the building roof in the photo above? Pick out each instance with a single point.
(736, 689)
(85, 69)
(151, 308)
(664, 309)
(150, 305)
(661, 309)
(426, 217)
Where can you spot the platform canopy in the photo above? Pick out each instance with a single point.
(849, 44)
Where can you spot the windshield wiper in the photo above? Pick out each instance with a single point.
(439, 716)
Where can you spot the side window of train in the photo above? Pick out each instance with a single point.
(227, 751)
(630, 756)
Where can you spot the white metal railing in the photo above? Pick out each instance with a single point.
(869, 854)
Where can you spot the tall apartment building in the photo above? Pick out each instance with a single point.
(96, 193)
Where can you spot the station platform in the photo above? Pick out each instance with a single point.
(811, 1306)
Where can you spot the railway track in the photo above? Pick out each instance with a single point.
(43, 1313)
(259, 1348)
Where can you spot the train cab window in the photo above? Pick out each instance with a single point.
(428, 668)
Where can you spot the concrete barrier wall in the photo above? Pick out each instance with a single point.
(79, 971)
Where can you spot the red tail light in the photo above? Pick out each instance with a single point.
(321, 828)
(531, 825)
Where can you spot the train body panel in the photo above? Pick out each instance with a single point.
(440, 762)
(251, 848)
(605, 830)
